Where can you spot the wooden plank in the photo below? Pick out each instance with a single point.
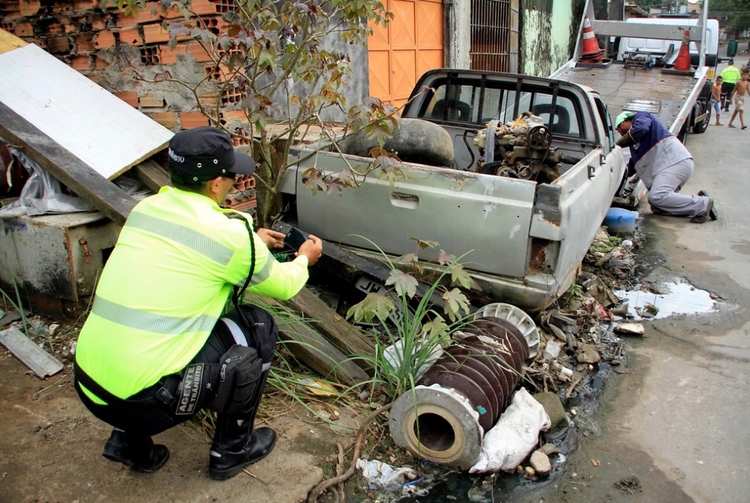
(350, 267)
(312, 349)
(100, 129)
(9, 42)
(152, 175)
(347, 338)
(29, 353)
(78, 176)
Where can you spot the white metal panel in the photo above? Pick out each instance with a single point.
(87, 120)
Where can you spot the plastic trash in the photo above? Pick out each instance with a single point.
(620, 220)
(42, 194)
(514, 435)
(381, 475)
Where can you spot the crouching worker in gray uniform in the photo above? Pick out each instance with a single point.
(664, 165)
(162, 340)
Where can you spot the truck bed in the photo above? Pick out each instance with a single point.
(626, 89)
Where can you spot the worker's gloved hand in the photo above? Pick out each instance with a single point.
(626, 141)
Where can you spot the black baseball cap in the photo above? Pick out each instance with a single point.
(201, 154)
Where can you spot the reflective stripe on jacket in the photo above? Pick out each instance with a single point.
(731, 74)
(166, 284)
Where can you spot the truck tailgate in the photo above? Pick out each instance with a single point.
(485, 215)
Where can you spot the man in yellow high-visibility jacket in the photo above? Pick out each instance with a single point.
(729, 76)
(158, 345)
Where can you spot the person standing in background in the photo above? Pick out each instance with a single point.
(738, 96)
(730, 75)
(716, 99)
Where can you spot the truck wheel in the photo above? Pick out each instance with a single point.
(415, 140)
(683, 134)
(700, 127)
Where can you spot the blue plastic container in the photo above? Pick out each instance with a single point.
(620, 221)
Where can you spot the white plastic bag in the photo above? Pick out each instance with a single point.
(381, 475)
(42, 194)
(514, 435)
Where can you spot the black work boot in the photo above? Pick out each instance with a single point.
(137, 453)
(234, 446)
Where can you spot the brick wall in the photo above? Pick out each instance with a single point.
(111, 47)
(106, 45)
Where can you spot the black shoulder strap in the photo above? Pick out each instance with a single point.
(238, 293)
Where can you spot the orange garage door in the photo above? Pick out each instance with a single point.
(400, 53)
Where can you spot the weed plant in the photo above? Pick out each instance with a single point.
(413, 331)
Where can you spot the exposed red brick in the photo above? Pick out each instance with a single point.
(85, 43)
(98, 24)
(58, 45)
(229, 116)
(81, 63)
(39, 42)
(217, 73)
(151, 101)
(203, 7)
(29, 7)
(190, 120)
(214, 24)
(240, 140)
(210, 99)
(129, 97)
(166, 119)
(168, 56)
(131, 37)
(151, 13)
(153, 33)
(51, 26)
(105, 39)
(84, 5)
(7, 25)
(150, 55)
(224, 6)
(99, 63)
(62, 8)
(198, 53)
(246, 206)
(10, 10)
(23, 29)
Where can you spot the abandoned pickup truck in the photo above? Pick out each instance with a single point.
(530, 176)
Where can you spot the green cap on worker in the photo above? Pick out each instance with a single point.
(623, 117)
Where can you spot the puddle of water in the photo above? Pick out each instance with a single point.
(683, 298)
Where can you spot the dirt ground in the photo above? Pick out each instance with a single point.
(51, 452)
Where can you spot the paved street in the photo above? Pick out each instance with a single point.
(676, 424)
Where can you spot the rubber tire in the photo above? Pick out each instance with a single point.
(700, 127)
(416, 140)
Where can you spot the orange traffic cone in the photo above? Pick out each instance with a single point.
(682, 62)
(591, 53)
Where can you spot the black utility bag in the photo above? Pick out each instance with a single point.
(239, 373)
(241, 369)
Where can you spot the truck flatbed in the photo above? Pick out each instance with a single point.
(667, 94)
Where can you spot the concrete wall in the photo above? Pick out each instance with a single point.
(548, 33)
(458, 33)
